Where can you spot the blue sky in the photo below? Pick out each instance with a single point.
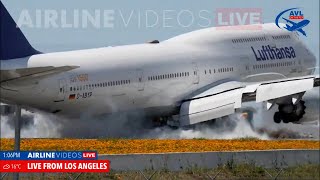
(61, 39)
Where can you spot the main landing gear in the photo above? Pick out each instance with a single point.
(290, 112)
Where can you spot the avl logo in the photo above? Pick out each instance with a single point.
(294, 20)
(238, 17)
(296, 15)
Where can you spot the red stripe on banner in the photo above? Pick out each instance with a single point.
(54, 166)
(296, 17)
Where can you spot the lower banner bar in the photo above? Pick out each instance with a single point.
(54, 166)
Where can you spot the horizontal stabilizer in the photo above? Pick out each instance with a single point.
(25, 75)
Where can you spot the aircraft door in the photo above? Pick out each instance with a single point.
(300, 65)
(62, 90)
(195, 73)
(140, 82)
(247, 69)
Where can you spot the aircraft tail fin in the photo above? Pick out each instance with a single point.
(13, 43)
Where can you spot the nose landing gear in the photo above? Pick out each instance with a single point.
(290, 112)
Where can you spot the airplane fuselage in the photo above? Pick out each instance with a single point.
(299, 25)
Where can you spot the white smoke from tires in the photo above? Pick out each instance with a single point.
(34, 125)
(135, 125)
(123, 126)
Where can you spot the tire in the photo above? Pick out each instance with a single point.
(286, 121)
(286, 118)
(286, 108)
(290, 113)
(300, 110)
(277, 117)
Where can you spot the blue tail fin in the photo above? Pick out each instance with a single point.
(13, 43)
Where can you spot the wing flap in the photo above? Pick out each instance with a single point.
(280, 89)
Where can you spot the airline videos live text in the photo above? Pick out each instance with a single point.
(52, 162)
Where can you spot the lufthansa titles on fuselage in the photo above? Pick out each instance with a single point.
(269, 53)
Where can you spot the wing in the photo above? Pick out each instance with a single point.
(225, 98)
(18, 77)
(293, 23)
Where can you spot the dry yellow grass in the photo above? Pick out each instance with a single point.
(125, 146)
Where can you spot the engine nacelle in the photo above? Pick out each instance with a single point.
(209, 107)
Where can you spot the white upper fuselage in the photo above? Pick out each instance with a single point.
(159, 76)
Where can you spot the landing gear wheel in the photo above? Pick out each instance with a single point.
(299, 109)
(277, 117)
(286, 118)
(290, 112)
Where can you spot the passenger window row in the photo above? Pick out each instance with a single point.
(99, 85)
(281, 37)
(253, 39)
(168, 76)
(209, 71)
(220, 70)
(228, 69)
(271, 65)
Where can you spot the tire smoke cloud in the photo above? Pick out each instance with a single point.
(134, 125)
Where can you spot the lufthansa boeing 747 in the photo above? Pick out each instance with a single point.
(192, 78)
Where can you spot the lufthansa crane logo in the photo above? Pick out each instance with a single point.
(294, 20)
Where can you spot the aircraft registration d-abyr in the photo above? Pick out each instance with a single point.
(188, 79)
